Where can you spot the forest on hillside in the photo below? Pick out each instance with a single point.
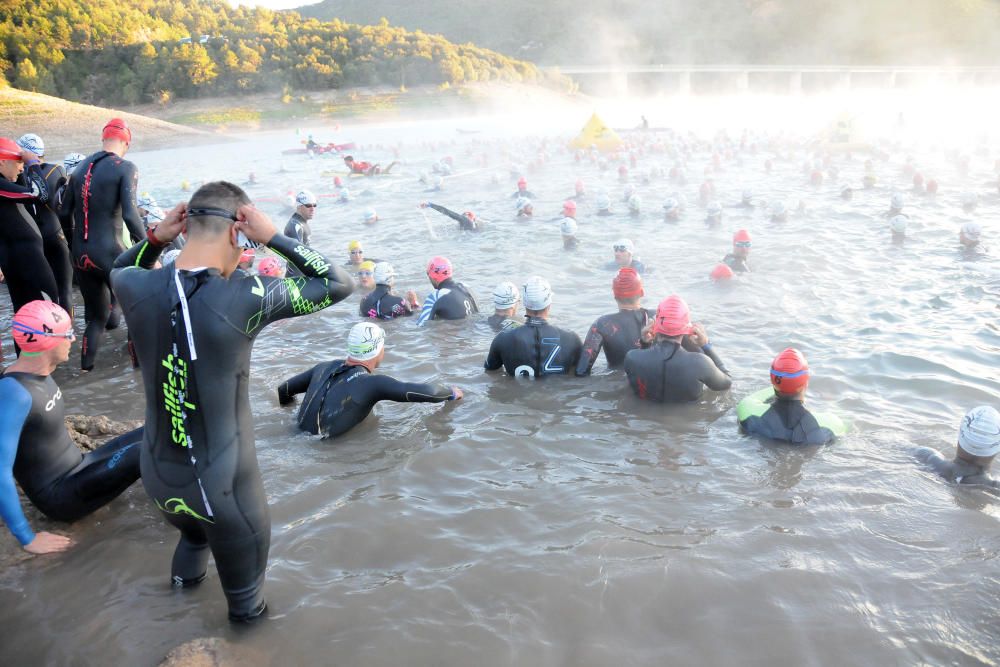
(132, 51)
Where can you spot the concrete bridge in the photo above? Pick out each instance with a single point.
(683, 79)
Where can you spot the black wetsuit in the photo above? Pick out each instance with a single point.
(198, 460)
(382, 305)
(523, 193)
(22, 254)
(298, 229)
(100, 198)
(54, 242)
(636, 264)
(503, 322)
(616, 333)
(957, 471)
(737, 264)
(765, 414)
(666, 372)
(36, 450)
(463, 222)
(535, 349)
(570, 243)
(450, 301)
(339, 396)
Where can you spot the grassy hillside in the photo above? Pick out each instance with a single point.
(705, 31)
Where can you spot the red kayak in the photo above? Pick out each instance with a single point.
(329, 148)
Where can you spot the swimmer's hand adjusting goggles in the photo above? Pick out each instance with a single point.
(242, 240)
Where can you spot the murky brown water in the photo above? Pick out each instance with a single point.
(564, 522)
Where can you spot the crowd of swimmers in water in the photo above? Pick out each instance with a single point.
(197, 283)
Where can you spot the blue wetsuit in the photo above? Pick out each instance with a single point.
(36, 450)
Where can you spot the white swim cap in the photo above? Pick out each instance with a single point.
(625, 243)
(603, 201)
(505, 296)
(305, 198)
(370, 215)
(671, 205)
(522, 203)
(898, 224)
(747, 195)
(898, 200)
(167, 258)
(979, 433)
(635, 203)
(568, 227)
(71, 160)
(714, 209)
(972, 230)
(32, 142)
(537, 293)
(384, 274)
(365, 341)
(145, 201)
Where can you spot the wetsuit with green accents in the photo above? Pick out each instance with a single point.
(100, 198)
(340, 395)
(193, 332)
(766, 414)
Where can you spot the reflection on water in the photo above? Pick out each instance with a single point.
(564, 521)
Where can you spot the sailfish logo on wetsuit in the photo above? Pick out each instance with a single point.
(313, 259)
(174, 392)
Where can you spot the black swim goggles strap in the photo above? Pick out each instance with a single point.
(210, 210)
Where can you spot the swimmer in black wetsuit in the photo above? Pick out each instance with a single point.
(522, 189)
(619, 332)
(568, 229)
(625, 256)
(298, 225)
(978, 444)
(46, 218)
(466, 221)
(669, 372)
(341, 393)
(779, 413)
(536, 348)
(22, 256)
(193, 325)
(35, 449)
(505, 300)
(101, 198)
(382, 304)
(450, 300)
(739, 259)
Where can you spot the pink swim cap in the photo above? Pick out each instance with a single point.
(673, 317)
(41, 325)
(439, 268)
(269, 266)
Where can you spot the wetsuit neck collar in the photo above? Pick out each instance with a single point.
(537, 321)
(367, 365)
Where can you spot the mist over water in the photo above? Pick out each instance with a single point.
(563, 521)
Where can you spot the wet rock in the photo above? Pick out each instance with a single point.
(89, 433)
(209, 652)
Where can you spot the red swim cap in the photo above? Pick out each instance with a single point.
(247, 255)
(627, 284)
(439, 268)
(789, 372)
(41, 325)
(569, 207)
(522, 182)
(269, 266)
(9, 150)
(579, 186)
(337, 181)
(673, 317)
(470, 216)
(741, 236)
(932, 186)
(721, 272)
(117, 129)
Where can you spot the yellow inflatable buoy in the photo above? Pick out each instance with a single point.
(596, 133)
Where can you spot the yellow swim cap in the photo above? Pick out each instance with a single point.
(354, 245)
(367, 265)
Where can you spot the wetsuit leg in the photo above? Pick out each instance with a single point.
(97, 310)
(242, 562)
(191, 555)
(101, 476)
(59, 259)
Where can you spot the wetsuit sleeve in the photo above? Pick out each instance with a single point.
(493, 360)
(592, 345)
(427, 309)
(35, 190)
(142, 255)
(714, 377)
(66, 204)
(16, 404)
(126, 193)
(36, 179)
(710, 353)
(293, 386)
(391, 389)
(457, 217)
(754, 405)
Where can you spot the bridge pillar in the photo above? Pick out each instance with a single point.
(684, 83)
(795, 83)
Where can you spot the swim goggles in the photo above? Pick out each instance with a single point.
(241, 240)
(742, 244)
(24, 328)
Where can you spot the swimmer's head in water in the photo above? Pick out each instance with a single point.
(439, 268)
(603, 202)
(897, 201)
(714, 210)
(673, 317)
(721, 272)
(522, 183)
(32, 142)
(270, 266)
(41, 325)
(979, 433)
(384, 274)
(505, 296)
(635, 204)
(627, 285)
(568, 227)
(742, 242)
(746, 197)
(569, 208)
(537, 294)
(898, 224)
(623, 246)
(365, 341)
(671, 207)
(970, 234)
(789, 372)
(370, 216)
